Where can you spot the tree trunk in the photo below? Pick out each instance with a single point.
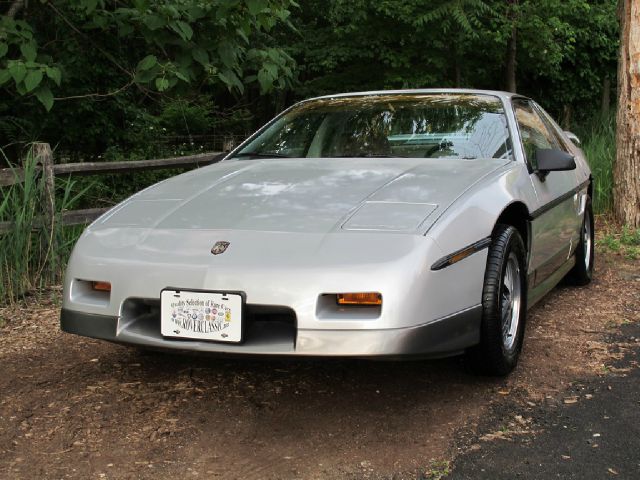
(512, 44)
(626, 190)
(14, 8)
(510, 73)
(567, 115)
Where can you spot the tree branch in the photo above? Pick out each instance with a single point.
(97, 47)
(90, 95)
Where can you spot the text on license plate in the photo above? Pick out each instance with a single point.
(201, 315)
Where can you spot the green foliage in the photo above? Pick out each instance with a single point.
(360, 45)
(183, 117)
(438, 470)
(26, 259)
(633, 253)
(91, 49)
(610, 242)
(626, 242)
(22, 65)
(112, 63)
(630, 237)
(564, 49)
(599, 145)
(21, 255)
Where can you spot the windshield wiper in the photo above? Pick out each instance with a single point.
(262, 155)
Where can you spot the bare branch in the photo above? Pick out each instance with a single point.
(90, 95)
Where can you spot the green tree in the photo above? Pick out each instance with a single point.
(357, 44)
(157, 45)
(561, 51)
(124, 69)
(115, 65)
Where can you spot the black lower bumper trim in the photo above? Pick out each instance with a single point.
(447, 336)
(99, 326)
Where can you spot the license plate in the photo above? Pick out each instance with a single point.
(201, 315)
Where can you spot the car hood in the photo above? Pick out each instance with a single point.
(401, 195)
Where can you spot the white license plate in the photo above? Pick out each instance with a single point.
(201, 315)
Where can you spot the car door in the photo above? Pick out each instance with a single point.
(556, 218)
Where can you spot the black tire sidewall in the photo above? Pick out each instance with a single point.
(588, 211)
(497, 359)
(580, 274)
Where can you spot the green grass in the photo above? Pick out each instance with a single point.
(32, 257)
(599, 144)
(23, 251)
(630, 237)
(437, 470)
(625, 242)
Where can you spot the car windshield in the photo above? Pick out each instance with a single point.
(467, 126)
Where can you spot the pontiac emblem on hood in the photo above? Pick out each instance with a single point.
(219, 247)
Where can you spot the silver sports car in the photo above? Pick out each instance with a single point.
(376, 224)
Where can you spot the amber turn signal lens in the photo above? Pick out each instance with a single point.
(460, 256)
(101, 286)
(364, 298)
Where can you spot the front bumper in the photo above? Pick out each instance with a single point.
(447, 336)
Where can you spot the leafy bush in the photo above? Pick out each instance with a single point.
(183, 117)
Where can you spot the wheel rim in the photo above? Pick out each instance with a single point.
(586, 240)
(510, 302)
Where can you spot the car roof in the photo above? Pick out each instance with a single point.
(418, 91)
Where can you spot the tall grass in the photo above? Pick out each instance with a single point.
(599, 144)
(32, 257)
(23, 250)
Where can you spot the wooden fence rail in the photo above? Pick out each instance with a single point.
(46, 167)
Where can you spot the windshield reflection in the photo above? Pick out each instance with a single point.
(467, 126)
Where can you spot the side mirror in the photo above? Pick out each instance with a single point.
(553, 160)
(573, 137)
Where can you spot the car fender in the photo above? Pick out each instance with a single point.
(464, 230)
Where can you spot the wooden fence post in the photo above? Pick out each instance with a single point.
(44, 157)
(228, 143)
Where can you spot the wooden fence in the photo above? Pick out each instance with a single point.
(47, 168)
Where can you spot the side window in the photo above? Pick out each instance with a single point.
(533, 131)
(555, 129)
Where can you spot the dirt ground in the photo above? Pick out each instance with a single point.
(72, 407)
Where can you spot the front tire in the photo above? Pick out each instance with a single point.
(504, 298)
(582, 272)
